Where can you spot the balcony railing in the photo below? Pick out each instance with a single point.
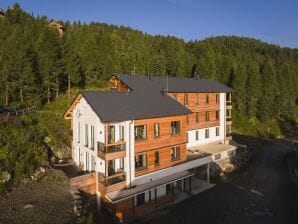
(110, 148)
(229, 103)
(229, 118)
(111, 180)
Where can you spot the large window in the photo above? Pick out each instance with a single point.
(207, 99)
(140, 199)
(217, 115)
(197, 99)
(217, 98)
(207, 116)
(121, 163)
(141, 161)
(175, 127)
(79, 132)
(156, 130)
(86, 135)
(197, 117)
(156, 158)
(206, 133)
(185, 99)
(92, 137)
(140, 132)
(121, 132)
(197, 135)
(175, 153)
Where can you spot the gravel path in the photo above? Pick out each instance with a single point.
(45, 201)
(260, 195)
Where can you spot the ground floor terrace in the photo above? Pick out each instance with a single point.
(140, 200)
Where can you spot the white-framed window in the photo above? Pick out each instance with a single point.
(86, 135)
(121, 132)
(206, 133)
(175, 153)
(140, 199)
(78, 132)
(121, 163)
(197, 135)
(92, 137)
(140, 132)
(217, 131)
(156, 130)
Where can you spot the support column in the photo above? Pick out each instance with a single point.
(208, 172)
(155, 191)
(190, 185)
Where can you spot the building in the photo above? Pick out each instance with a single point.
(57, 26)
(145, 140)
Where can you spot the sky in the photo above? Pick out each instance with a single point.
(272, 21)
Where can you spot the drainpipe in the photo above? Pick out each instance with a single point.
(129, 153)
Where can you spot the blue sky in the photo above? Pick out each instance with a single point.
(273, 21)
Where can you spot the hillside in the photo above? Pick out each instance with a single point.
(40, 67)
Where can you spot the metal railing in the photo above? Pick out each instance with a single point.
(110, 180)
(229, 119)
(229, 103)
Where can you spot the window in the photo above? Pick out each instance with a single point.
(187, 137)
(156, 158)
(92, 137)
(156, 130)
(187, 119)
(140, 132)
(121, 132)
(175, 96)
(217, 131)
(217, 156)
(217, 98)
(149, 195)
(175, 126)
(229, 114)
(185, 99)
(197, 117)
(141, 161)
(168, 188)
(217, 115)
(206, 133)
(140, 199)
(197, 99)
(79, 132)
(175, 153)
(121, 163)
(86, 135)
(207, 116)
(207, 99)
(197, 135)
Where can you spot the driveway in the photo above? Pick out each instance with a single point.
(260, 194)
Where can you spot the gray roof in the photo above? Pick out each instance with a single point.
(173, 84)
(117, 106)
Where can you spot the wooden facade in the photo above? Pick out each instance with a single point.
(163, 143)
(197, 103)
(117, 84)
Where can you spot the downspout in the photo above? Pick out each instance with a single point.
(129, 153)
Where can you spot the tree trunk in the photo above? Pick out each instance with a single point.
(57, 88)
(69, 86)
(21, 95)
(6, 95)
(48, 94)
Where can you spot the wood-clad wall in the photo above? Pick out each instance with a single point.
(163, 143)
(201, 108)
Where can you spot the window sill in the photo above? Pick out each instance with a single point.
(176, 159)
(141, 168)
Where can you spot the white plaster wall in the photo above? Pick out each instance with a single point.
(222, 116)
(202, 140)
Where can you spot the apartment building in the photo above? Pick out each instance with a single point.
(144, 139)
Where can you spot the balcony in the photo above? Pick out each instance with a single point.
(112, 183)
(229, 120)
(111, 151)
(229, 104)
